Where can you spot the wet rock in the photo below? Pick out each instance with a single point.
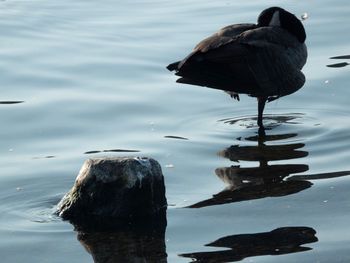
(116, 191)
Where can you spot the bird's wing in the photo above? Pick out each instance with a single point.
(220, 39)
(279, 58)
(249, 43)
(223, 37)
(249, 51)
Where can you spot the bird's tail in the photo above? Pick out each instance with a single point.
(191, 81)
(173, 66)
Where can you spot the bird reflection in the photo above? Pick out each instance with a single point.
(264, 180)
(277, 242)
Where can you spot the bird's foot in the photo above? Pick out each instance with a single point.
(235, 96)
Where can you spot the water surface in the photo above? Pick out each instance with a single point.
(84, 79)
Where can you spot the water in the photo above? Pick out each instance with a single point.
(88, 79)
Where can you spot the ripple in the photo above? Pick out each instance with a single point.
(338, 65)
(11, 102)
(288, 127)
(112, 151)
(21, 210)
(297, 147)
(270, 121)
(309, 125)
(44, 157)
(341, 57)
(175, 137)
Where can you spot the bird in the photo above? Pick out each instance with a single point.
(263, 60)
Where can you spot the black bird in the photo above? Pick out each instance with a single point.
(263, 60)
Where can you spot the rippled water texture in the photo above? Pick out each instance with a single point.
(81, 79)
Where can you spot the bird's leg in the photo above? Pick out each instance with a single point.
(261, 106)
(261, 132)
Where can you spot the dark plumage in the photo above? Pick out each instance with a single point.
(263, 60)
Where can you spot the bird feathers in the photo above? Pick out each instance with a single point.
(244, 58)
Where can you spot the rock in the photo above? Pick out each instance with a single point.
(116, 190)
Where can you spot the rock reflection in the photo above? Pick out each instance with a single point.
(265, 180)
(127, 244)
(124, 247)
(277, 242)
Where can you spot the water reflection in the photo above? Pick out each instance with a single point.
(277, 242)
(44, 157)
(125, 246)
(341, 64)
(112, 151)
(112, 239)
(264, 180)
(141, 243)
(175, 137)
(270, 121)
(11, 101)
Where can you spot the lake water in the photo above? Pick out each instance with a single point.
(82, 78)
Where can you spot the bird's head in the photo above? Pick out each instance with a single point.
(276, 16)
